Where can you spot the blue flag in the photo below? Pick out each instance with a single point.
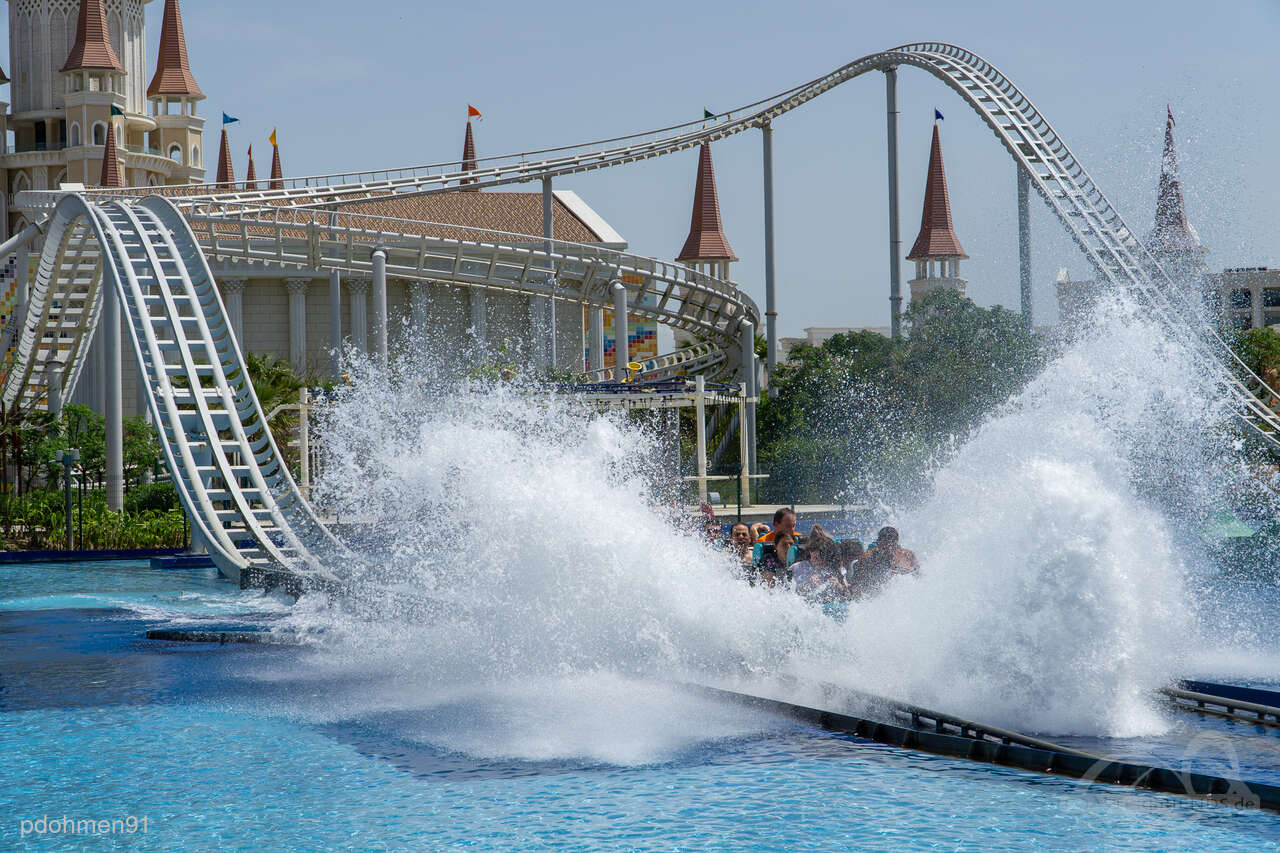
(937, 114)
(226, 119)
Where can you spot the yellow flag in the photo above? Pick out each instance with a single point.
(272, 137)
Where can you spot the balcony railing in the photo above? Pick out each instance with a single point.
(27, 147)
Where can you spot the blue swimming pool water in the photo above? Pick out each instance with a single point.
(98, 723)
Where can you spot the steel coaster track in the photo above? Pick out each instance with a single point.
(1084, 211)
(226, 467)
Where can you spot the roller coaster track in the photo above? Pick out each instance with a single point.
(303, 223)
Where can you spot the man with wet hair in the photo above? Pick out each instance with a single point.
(740, 543)
(784, 521)
(881, 562)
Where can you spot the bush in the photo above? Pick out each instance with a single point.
(159, 497)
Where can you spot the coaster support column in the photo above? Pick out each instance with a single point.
(895, 237)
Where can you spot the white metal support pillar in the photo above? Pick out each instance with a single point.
(53, 379)
(895, 237)
(109, 327)
(621, 346)
(597, 338)
(770, 299)
(548, 232)
(380, 329)
(1024, 242)
(335, 318)
(700, 438)
(748, 337)
(297, 322)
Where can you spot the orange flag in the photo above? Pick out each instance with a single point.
(472, 112)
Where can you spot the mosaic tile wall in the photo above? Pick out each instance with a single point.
(642, 335)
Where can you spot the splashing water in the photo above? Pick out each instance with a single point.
(558, 591)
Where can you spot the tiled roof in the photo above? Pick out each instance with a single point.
(173, 74)
(509, 212)
(1173, 233)
(937, 238)
(251, 176)
(706, 240)
(92, 48)
(277, 173)
(111, 176)
(468, 158)
(226, 172)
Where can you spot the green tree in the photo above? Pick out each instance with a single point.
(86, 430)
(141, 449)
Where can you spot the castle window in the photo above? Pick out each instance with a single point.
(99, 133)
(195, 156)
(1271, 297)
(175, 153)
(75, 134)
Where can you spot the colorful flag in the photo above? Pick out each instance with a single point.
(250, 150)
(272, 137)
(472, 112)
(226, 119)
(937, 114)
(116, 111)
(706, 114)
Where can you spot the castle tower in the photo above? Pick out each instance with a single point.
(173, 94)
(1173, 241)
(937, 251)
(468, 160)
(277, 172)
(706, 248)
(251, 174)
(93, 93)
(226, 172)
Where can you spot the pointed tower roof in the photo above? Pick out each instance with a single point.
(706, 240)
(937, 238)
(111, 176)
(251, 176)
(4, 78)
(1172, 233)
(226, 172)
(92, 48)
(468, 160)
(277, 173)
(173, 74)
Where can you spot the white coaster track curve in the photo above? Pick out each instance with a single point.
(303, 224)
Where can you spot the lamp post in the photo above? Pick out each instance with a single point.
(68, 458)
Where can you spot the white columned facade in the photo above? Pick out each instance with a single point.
(335, 319)
(233, 298)
(358, 293)
(297, 322)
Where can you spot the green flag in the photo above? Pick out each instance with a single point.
(116, 111)
(706, 114)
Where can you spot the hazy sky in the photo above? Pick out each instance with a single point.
(386, 83)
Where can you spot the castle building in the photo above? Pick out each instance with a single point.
(79, 74)
(1239, 298)
(937, 252)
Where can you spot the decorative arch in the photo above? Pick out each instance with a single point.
(175, 153)
(73, 135)
(195, 155)
(99, 133)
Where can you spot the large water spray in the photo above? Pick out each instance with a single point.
(528, 582)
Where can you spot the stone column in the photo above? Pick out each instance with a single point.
(479, 315)
(109, 326)
(233, 298)
(297, 322)
(358, 293)
(1259, 312)
(335, 319)
(419, 304)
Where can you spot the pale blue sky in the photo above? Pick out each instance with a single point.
(386, 83)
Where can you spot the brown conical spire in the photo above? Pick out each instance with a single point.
(1173, 234)
(251, 176)
(92, 49)
(706, 240)
(468, 160)
(111, 175)
(226, 172)
(4, 78)
(937, 238)
(173, 74)
(277, 173)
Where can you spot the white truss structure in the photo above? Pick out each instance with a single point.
(153, 252)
